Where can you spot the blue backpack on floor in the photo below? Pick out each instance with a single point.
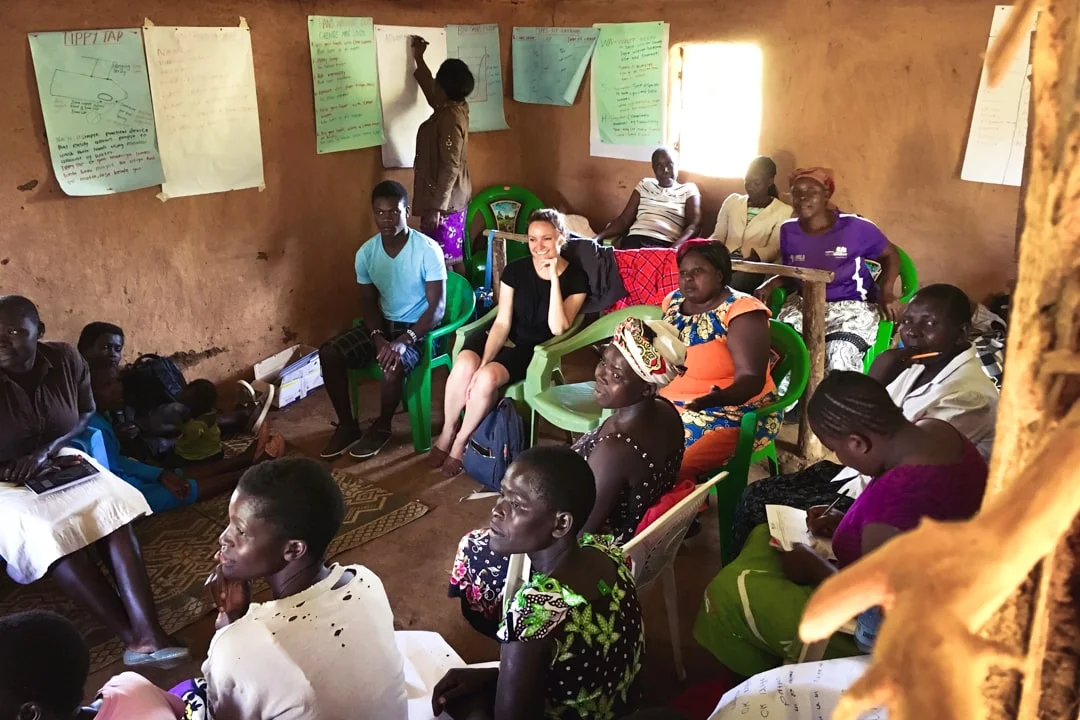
(499, 439)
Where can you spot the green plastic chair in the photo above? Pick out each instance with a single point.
(909, 285)
(460, 303)
(572, 407)
(514, 391)
(794, 364)
(502, 207)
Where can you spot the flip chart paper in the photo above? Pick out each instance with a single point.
(549, 63)
(348, 113)
(997, 140)
(99, 120)
(807, 691)
(403, 104)
(629, 88)
(478, 47)
(203, 81)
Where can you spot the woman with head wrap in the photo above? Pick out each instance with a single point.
(634, 455)
(727, 362)
(822, 238)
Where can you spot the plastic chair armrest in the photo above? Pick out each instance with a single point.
(464, 332)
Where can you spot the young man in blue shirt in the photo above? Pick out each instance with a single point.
(402, 280)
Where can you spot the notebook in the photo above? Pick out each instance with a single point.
(787, 525)
(62, 472)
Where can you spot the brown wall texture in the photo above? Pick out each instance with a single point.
(879, 90)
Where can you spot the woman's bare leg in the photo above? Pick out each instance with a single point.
(483, 395)
(457, 384)
(82, 581)
(133, 587)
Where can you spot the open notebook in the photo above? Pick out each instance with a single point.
(787, 525)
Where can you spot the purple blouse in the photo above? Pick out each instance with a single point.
(904, 495)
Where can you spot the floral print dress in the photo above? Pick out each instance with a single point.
(712, 434)
(598, 642)
(479, 574)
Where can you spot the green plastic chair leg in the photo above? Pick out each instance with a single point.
(417, 397)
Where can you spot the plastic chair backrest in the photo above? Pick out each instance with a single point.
(502, 207)
(654, 548)
(909, 277)
(460, 300)
(549, 357)
(794, 359)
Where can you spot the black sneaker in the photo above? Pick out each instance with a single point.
(342, 439)
(374, 440)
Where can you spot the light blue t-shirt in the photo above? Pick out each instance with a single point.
(400, 280)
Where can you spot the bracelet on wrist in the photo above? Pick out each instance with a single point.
(378, 332)
(413, 337)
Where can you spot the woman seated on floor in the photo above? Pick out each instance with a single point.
(45, 401)
(168, 489)
(323, 648)
(572, 635)
(822, 238)
(727, 360)
(539, 298)
(44, 663)
(662, 212)
(750, 616)
(634, 456)
(749, 225)
(936, 374)
(151, 422)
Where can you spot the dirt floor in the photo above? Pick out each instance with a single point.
(414, 561)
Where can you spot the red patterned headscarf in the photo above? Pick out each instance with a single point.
(657, 360)
(820, 174)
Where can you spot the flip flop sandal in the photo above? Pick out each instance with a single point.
(247, 396)
(437, 457)
(262, 409)
(164, 659)
(452, 467)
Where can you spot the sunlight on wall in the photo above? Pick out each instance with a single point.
(715, 108)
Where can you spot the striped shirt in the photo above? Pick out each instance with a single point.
(662, 211)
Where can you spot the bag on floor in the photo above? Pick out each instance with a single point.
(499, 439)
(151, 381)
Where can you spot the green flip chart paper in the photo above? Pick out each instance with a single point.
(348, 111)
(478, 47)
(549, 63)
(628, 83)
(95, 98)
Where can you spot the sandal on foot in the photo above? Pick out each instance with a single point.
(452, 467)
(437, 457)
(164, 659)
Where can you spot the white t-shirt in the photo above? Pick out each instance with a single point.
(961, 395)
(662, 210)
(327, 653)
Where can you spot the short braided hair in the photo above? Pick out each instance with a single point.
(850, 403)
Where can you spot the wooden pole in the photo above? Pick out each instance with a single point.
(813, 333)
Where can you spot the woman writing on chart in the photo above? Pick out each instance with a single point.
(441, 184)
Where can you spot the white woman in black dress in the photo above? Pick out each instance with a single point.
(539, 297)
